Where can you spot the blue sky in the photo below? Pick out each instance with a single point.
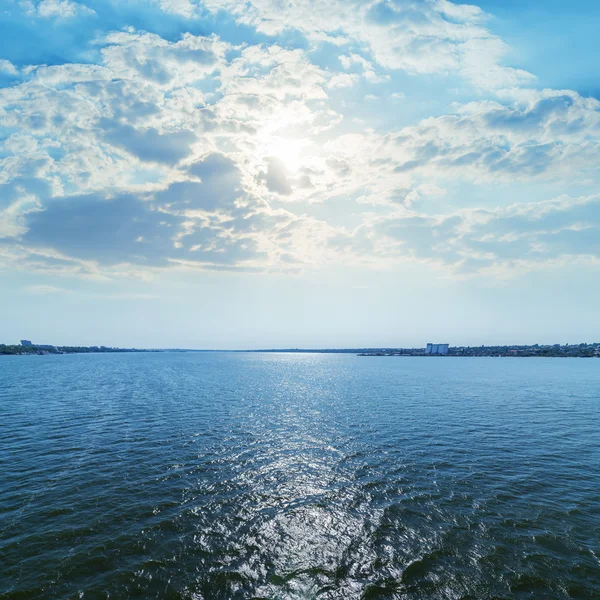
(217, 174)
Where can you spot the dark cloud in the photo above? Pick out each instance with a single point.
(125, 229)
(526, 159)
(149, 144)
(118, 230)
(532, 118)
(219, 187)
(216, 166)
(398, 11)
(276, 178)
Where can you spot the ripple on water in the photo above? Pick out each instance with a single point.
(190, 476)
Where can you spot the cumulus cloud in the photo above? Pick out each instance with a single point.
(354, 61)
(139, 55)
(163, 153)
(543, 136)
(342, 80)
(425, 36)
(98, 232)
(7, 67)
(62, 9)
(127, 151)
(149, 144)
(185, 8)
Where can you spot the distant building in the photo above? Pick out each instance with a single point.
(26, 343)
(436, 349)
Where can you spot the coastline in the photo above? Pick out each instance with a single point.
(536, 351)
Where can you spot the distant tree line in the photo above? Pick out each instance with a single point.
(17, 349)
(13, 349)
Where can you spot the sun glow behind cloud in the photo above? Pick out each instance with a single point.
(290, 151)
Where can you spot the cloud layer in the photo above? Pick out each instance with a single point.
(202, 151)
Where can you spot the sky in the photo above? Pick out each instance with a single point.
(326, 173)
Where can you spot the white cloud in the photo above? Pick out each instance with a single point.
(421, 37)
(179, 154)
(7, 67)
(125, 144)
(496, 242)
(342, 80)
(185, 8)
(43, 290)
(63, 9)
(546, 136)
(148, 57)
(13, 216)
(350, 61)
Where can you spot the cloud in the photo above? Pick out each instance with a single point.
(149, 144)
(125, 230)
(140, 55)
(342, 80)
(44, 290)
(353, 61)
(87, 127)
(513, 239)
(185, 8)
(108, 231)
(176, 153)
(7, 67)
(547, 136)
(218, 189)
(140, 169)
(275, 71)
(62, 9)
(419, 37)
(13, 216)
(276, 177)
(552, 132)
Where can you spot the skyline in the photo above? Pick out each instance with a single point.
(179, 173)
(426, 349)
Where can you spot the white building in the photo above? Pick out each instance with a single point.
(436, 349)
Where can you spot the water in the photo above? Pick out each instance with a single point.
(298, 476)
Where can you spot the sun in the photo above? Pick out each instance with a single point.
(287, 150)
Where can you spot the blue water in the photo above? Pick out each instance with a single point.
(298, 476)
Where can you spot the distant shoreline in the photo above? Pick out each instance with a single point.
(516, 351)
(41, 350)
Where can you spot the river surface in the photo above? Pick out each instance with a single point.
(218, 476)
